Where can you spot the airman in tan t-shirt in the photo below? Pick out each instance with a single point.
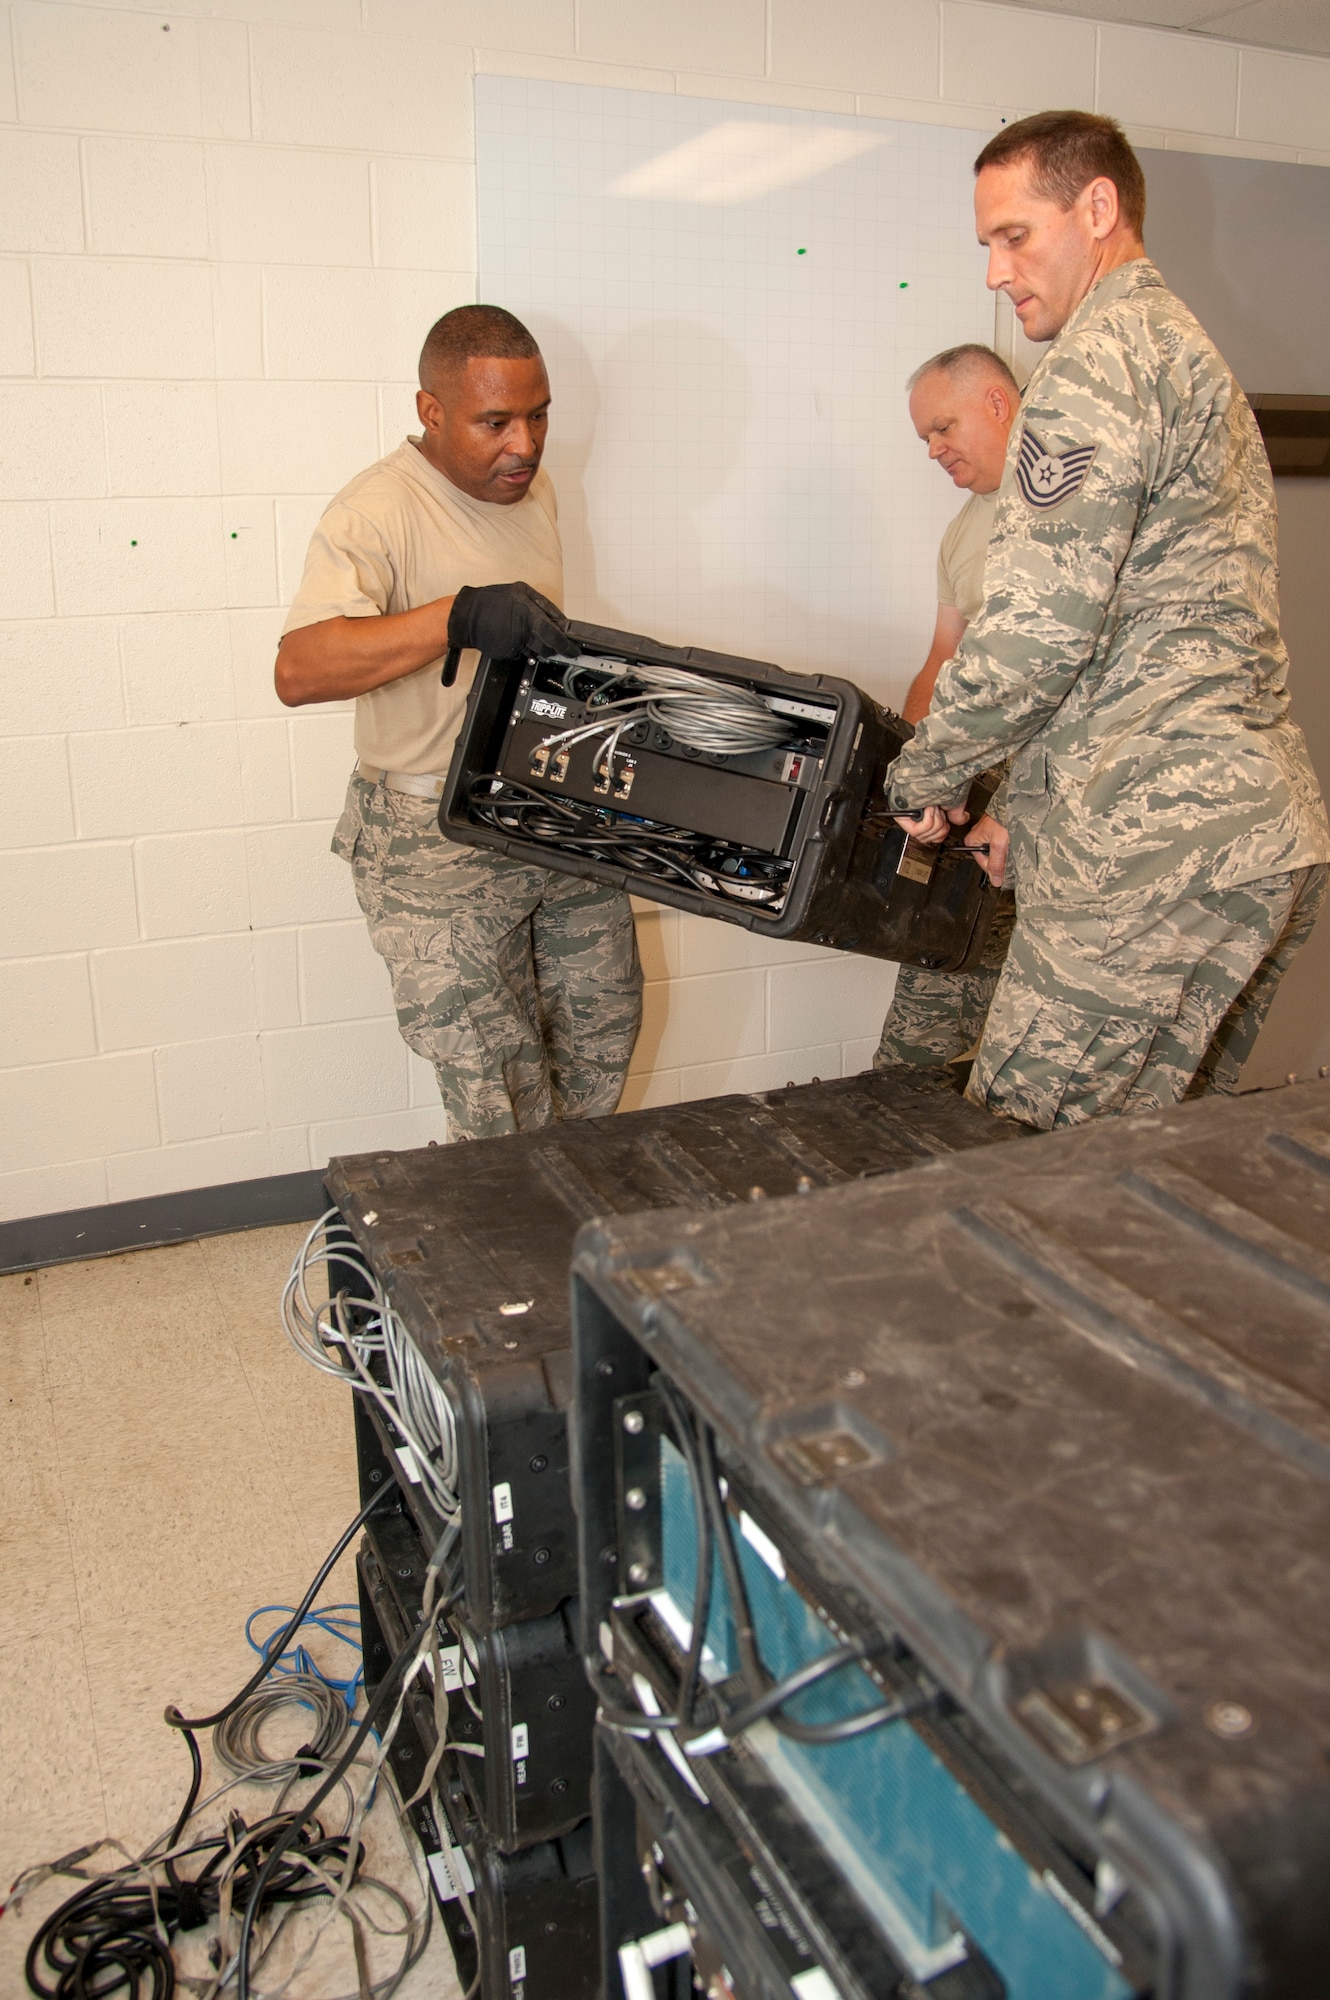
(401, 535)
(520, 985)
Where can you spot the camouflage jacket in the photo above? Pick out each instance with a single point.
(1128, 658)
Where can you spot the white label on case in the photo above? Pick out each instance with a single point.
(758, 1539)
(451, 1871)
(521, 1740)
(517, 1964)
(503, 1502)
(454, 1668)
(814, 1985)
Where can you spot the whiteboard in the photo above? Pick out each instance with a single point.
(730, 298)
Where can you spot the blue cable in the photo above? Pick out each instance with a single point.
(338, 1621)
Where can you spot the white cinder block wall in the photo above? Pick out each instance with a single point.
(223, 228)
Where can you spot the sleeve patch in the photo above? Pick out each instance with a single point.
(1044, 479)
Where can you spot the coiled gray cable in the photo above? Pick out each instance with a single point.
(321, 1330)
(238, 1737)
(720, 718)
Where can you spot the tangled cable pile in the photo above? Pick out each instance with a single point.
(672, 854)
(116, 1934)
(347, 1333)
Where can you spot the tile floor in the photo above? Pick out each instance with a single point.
(167, 1463)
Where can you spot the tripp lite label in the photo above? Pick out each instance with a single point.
(517, 1965)
(555, 710)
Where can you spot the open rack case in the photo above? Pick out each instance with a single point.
(581, 765)
(967, 1630)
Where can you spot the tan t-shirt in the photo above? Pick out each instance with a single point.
(960, 560)
(399, 536)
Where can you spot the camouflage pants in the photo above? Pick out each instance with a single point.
(936, 1016)
(1094, 1018)
(521, 986)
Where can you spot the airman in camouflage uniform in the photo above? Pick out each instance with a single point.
(1168, 837)
(520, 985)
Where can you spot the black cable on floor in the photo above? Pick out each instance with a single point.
(261, 1890)
(113, 1936)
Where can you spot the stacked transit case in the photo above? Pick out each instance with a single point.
(472, 1245)
(968, 1624)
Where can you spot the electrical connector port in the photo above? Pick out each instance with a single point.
(626, 773)
(602, 784)
(540, 758)
(559, 768)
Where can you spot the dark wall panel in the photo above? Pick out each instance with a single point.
(1247, 244)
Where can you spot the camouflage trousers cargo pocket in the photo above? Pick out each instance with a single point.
(1096, 1018)
(520, 986)
(935, 1017)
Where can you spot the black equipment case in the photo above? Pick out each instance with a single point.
(1035, 1454)
(472, 1244)
(530, 1780)
(792, 842)
(533, 1922)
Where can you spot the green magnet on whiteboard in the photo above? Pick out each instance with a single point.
(801, 253)
(133, 545)
(235, 534)
(905, 284)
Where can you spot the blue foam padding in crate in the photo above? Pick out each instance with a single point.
(919, 1850)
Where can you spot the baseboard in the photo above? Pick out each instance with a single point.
(76, 1233)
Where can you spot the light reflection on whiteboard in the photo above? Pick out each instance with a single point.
(738, 161)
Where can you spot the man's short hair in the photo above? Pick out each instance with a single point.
(474, 333)
(966, 363)
(1067, 150)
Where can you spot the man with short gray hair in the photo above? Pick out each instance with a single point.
(962, 405)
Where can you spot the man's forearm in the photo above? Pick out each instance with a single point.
(342, 657)
(947, 635)
(921, 687)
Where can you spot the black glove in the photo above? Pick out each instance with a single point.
(507, 621)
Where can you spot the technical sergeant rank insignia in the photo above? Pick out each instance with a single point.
(1043, 479)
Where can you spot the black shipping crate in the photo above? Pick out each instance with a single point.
(1022, 1470)
(792, 841)
(472, 1244)
(518, 1696)
(535, 1913)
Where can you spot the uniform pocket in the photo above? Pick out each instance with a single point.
(349, 828)
(1025, 808)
